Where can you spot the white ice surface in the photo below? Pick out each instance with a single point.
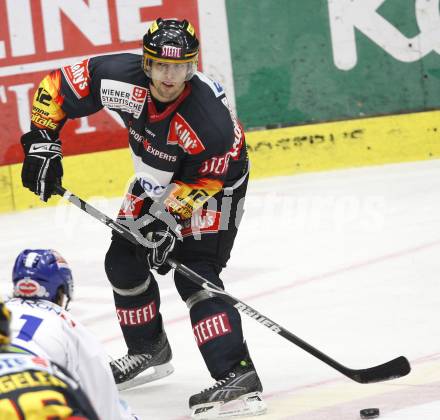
(347, 260)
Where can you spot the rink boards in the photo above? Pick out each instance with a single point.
(281, 151)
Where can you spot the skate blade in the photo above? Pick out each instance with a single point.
(149, 375)
(247, 405)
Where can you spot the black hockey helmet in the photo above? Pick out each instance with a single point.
(5, 320)
(171, 41)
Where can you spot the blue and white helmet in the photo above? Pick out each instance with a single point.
(39, 273)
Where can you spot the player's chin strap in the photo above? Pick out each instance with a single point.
(66, 305)
(390, 370)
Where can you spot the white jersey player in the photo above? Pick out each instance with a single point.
(42, 281)
(36, 388)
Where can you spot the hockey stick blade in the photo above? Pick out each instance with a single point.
(395, 368)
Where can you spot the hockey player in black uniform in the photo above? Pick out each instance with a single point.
(32, 387)
(191, 167)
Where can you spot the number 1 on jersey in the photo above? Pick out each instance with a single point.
(30, 326)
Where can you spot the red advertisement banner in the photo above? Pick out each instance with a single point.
(41, 35)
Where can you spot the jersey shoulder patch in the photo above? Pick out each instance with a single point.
(215, 86)
(78, 79)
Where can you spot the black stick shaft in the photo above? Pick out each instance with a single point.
(393, 369)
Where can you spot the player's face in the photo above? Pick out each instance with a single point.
(168, 80)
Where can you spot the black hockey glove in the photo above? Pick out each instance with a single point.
(161, 241)
(42, 168)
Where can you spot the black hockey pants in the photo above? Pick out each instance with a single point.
(206, 248)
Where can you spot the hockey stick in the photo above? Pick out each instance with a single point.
(395, 368)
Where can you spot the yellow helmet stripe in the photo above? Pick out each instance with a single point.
(191, 58)
(151, 51)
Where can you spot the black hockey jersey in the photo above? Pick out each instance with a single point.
(196, 143)
(31, 387)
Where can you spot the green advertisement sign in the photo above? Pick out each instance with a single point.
(297, 61)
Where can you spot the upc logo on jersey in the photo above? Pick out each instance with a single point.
(77, 77)
(123, 96)
(212, 327)
(171, 52)
(182, 134)
(131, 207)
(137, 316)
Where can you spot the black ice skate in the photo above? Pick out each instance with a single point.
(136, 369)
(237, 394)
